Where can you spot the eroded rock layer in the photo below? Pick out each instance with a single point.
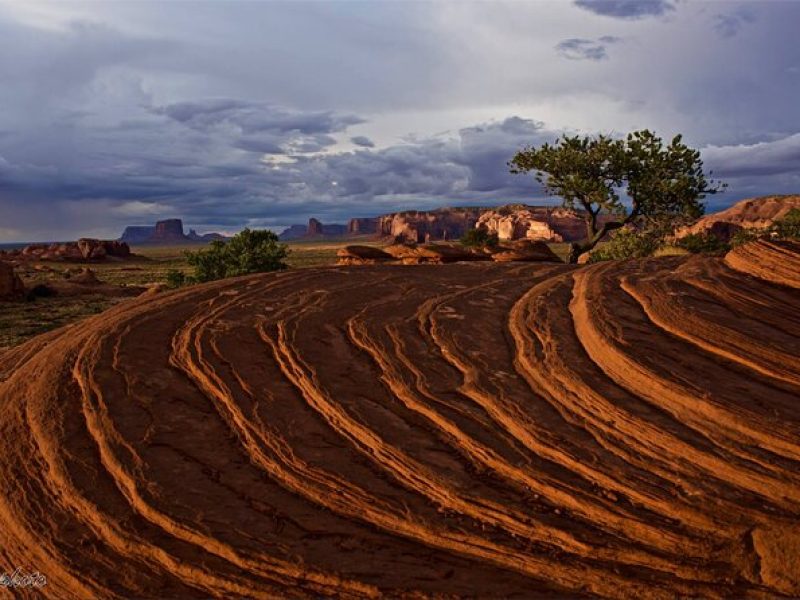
(625, 430)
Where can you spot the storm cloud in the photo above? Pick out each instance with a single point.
(582, 49)
(264, 114)
(627, 9)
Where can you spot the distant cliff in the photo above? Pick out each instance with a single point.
(509, 222)
(168, 231)
(315, 228)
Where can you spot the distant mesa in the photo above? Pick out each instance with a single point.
(168, 231)
(315, 228)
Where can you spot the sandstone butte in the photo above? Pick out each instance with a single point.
(620, 430)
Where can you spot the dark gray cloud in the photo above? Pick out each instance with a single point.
(728, 25)
(583, 49)
(627, 9)
(363, 141)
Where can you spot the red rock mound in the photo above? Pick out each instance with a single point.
(623, 430)
(361, 255)
(753, 213)
(527, 251)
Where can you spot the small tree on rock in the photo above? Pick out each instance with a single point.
(663, 183)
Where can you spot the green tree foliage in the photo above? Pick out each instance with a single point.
(627, 243)
(789, 226)
(703, 243)
(662, 182)
(479, 238)
(249, 251)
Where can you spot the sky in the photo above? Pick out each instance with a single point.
(262, 114)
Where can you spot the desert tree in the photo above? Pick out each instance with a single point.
(663, 183)
(249, 251)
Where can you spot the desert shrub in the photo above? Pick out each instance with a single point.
(789, 226)
(743, 236)
(479, 238)
(627, 243)
(176, 278)
(250, 251)
(703, 243)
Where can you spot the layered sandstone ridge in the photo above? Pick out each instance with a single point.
(753, 213)
(623, 430)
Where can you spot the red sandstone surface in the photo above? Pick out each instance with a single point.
(623, 430)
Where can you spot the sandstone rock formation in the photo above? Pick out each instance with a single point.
(776, 261)
(753, 213)
(91, 248)
(85, 249)
(421, 226)
(623, 430)
(11, 287)
(361, 226)
(510, 222)
(315, 228)
(526, 250)
(361, 255)
(137, 234)
(168, 231)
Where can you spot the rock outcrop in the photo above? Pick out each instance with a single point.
(543, 223)
(527, 250)
(438, 253)
(91, 248)
(421, 226)
(362, 226)
(510, 222)
(168, 230)
(315, 228)
(293, 232)
(753, 213)
(11, 287)
(361, 255)
(85, 249)
(137, 234)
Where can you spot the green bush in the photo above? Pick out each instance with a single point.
(789, 226)
(743, 236)
(250, 251)
(176, 279)
(703, 243)
(479, 238)
(627, 243)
